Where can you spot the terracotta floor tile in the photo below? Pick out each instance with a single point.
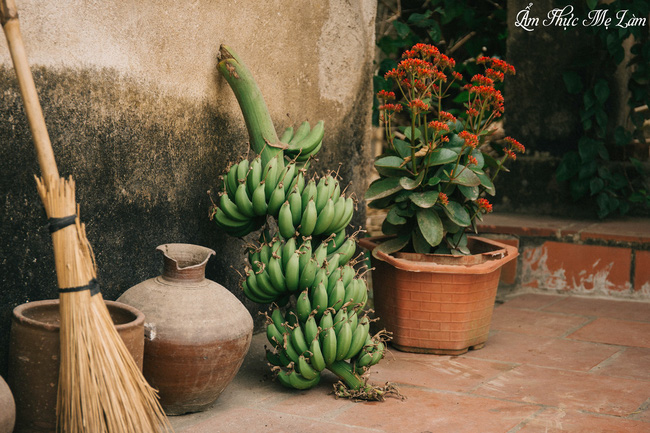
(425, 411)
(533, 301)
(259, 420)
(633, 362)
(559, 421)
(544, 351)
(615, 331)
(540, 323)
(612, 308)
(568, 390)
(436, 372)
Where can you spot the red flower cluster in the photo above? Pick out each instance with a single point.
(447, 117)
(386, 95)
(391, 107)
(471, 160)
(471, 140)
(496, 64)
(482, 80)
(417, 105)
(438, 126)
(442, 198)
(484, 205)
(513, 146)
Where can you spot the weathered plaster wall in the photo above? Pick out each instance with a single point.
(137, 113)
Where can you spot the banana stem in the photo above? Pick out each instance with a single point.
(344, 371)
(261, 131)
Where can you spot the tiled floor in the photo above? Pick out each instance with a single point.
(552, 364)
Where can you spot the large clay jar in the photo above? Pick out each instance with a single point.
(34, 358)
(196, 332)
(7, 408)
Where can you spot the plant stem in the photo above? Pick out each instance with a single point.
(344, 371)
(261, 131)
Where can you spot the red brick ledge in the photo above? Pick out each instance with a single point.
(625, 230)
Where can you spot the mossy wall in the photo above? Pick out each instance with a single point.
(139, 116)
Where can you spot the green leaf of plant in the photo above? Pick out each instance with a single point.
(402, 147)
(425, 199)
(390, 166)
(382, 188)
(441, 156)
(457, 214)
(487, 183)
(420, 244)
(402, 29)
(410, 183)
(464, 176)
(392, 245)
(568, 167)
(573, 82)
(601, 90)
(394, 218)
(430, 225)
(471, 192)
(592, 4)
(409, 134)
(434, 181)
(596, 185)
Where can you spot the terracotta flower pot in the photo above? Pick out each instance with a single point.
(34, 358)
(435, 303)
(197, 332)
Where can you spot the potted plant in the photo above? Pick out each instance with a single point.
(434, 286)
(305, 268)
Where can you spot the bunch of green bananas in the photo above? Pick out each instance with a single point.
(305, 143)
(301, 349)
(284, 267)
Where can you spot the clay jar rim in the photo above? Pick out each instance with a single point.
(184, 261)
(18, 314)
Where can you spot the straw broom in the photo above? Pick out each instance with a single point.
(100, 387)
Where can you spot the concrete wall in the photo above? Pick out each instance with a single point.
(137, 113)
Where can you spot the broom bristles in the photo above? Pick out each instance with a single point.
(101, 388)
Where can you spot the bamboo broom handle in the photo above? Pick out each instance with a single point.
(44, 152)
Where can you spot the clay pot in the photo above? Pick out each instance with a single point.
(196, 332)
(34, 358)
(7, 408)
(435, 303)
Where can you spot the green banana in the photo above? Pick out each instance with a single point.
(242, 170)
(243, 202)
(339, 237)
(286, 136)
(308, 273)
(231, 181)
(308, 143)
(336, 299)
(230, 209)
(339, 319)
(292, 272)
(273, 358)
(298, 340)
(252, 296)
(327, 319)
(321, 194)
(308, 220)
(305, 156)
(285, 221)
(278, 320)
(301, 132)
(275, 199)
(254, 175)
(316, 358)
(299, 382)
(343, 340)
(308, 194)
(328, 345)
(274, 336)
(295, 203)
(303, 306)
(311, 328)
(259, 200)
(324, 218)
(276, 275)
(305, 252)
(288, 248)
(358, 337)
(319, 299)
(306, 370)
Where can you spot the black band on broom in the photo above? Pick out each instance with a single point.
(101, 388)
